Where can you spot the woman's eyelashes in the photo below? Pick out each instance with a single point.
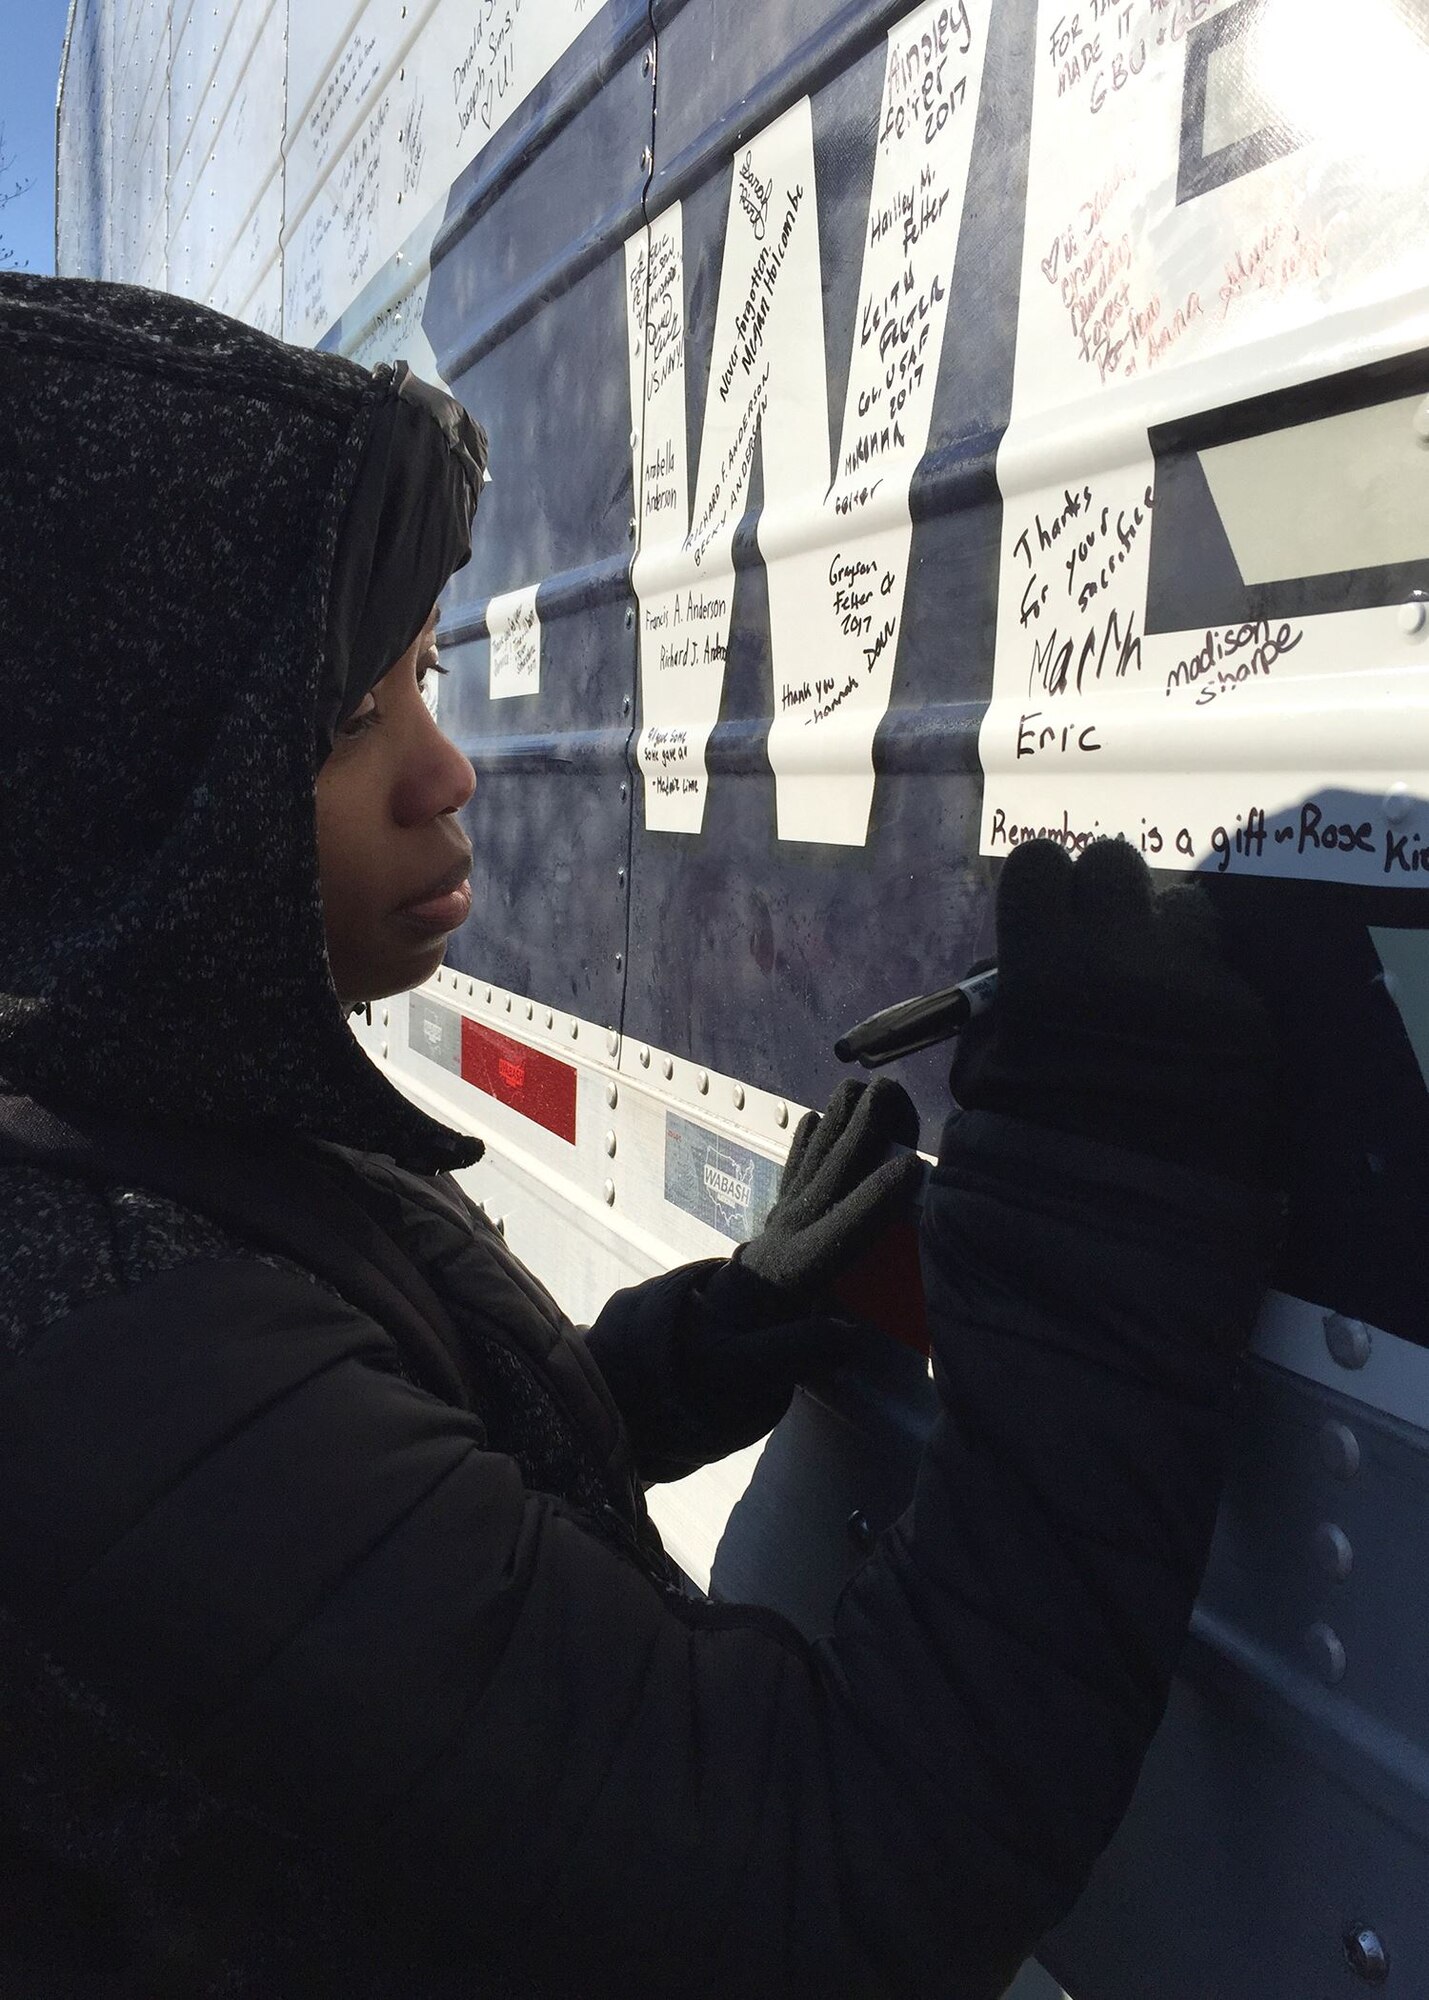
(359, 723)
(362, 718)
(367, 713)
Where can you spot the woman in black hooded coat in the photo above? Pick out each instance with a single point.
(337, 1653)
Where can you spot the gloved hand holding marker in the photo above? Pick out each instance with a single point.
(1118, 1017)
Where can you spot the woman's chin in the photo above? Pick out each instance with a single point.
(395, 973)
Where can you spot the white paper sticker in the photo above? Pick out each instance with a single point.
(515, 632)
(835, 540)
(835, 610)
(768, 333)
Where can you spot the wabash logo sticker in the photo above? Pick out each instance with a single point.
(717, 1180)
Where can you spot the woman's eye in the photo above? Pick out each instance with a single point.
(361, 718)
(428, 668)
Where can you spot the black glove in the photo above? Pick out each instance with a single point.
(839, 1190)
(705, 1360)
(1117, 1017)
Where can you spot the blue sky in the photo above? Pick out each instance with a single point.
(31, 38)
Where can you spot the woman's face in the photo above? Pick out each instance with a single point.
(392, 858)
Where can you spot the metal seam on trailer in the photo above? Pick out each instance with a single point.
(74, 6)
(490, 178)
(630, 776)
(207, 84)
(340, 42)
(800, 74)
(931, 743)
(557, 276)
(539, 750)
(1342, 1737)
(606, 581)
(339, 144)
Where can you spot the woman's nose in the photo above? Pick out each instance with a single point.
(437, 777)
(460, 776)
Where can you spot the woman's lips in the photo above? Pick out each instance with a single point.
(445, 910)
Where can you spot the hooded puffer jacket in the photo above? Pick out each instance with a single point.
(337, 1656)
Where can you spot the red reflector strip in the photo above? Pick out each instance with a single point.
(527, 1080)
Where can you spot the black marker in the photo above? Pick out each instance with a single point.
(918, 1024)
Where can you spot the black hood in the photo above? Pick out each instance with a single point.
(211, 546)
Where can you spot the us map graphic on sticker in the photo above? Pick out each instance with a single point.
(717, 1180)
(1209, 638)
